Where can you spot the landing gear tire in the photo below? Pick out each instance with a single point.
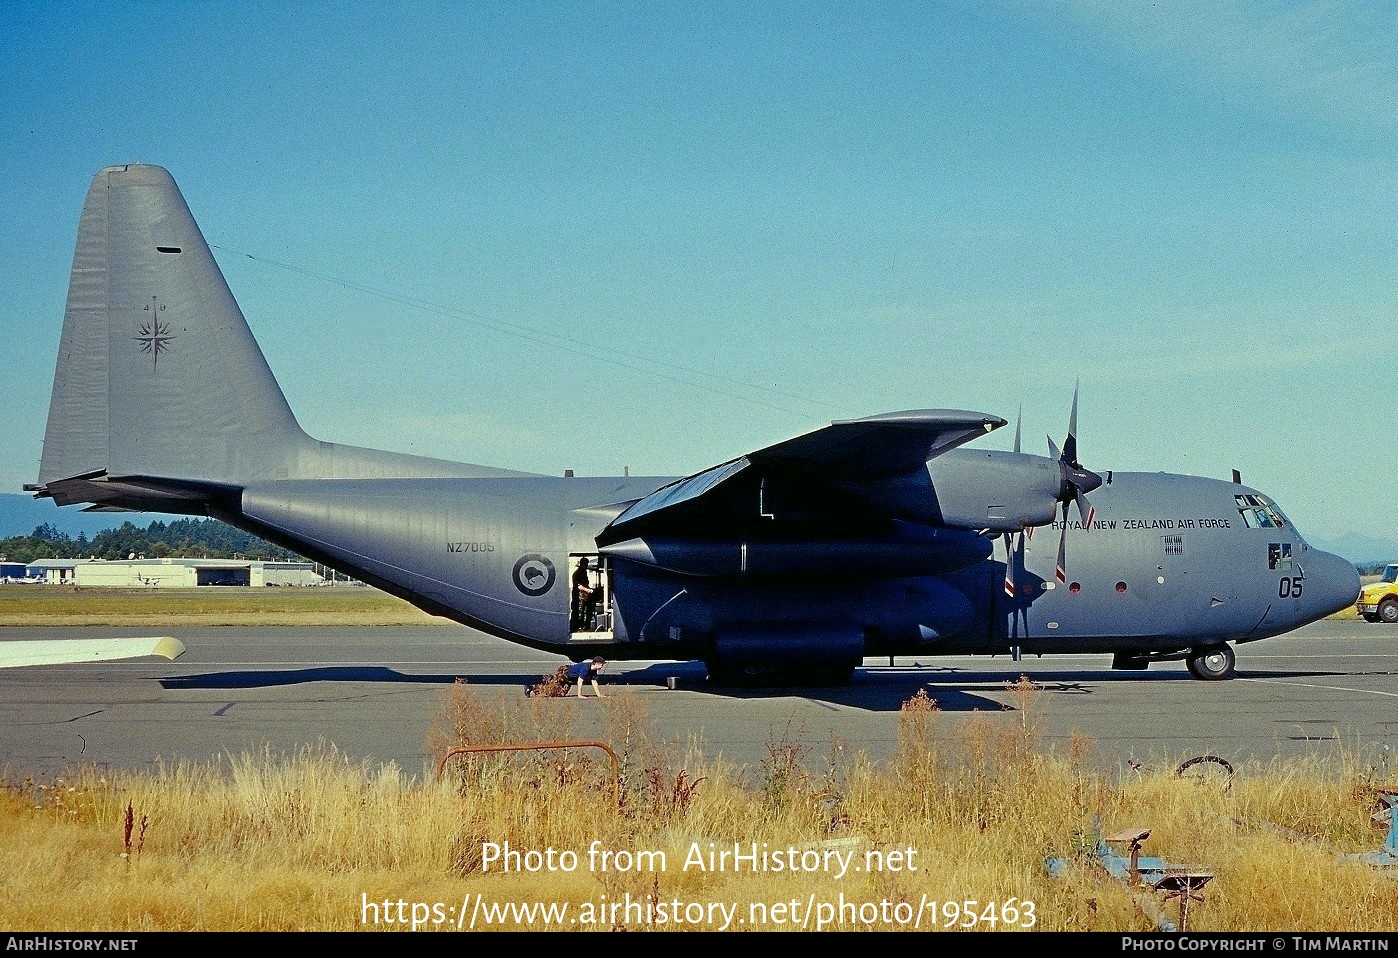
(1212, 663)
(1388, 611)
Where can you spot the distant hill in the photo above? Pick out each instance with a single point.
(1359, 549)
(20, 515)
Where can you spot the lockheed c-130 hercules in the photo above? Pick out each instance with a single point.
(869, 537)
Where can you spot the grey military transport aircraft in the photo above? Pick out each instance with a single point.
(868, 537)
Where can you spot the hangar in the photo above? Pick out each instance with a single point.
(15, 572)
(174, 573)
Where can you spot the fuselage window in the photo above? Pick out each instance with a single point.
(1279, 555)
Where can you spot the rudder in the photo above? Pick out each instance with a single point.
(162, 400)
(158, 373)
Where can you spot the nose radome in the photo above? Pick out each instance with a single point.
(1332, 582)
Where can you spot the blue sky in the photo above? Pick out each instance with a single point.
(657, 236)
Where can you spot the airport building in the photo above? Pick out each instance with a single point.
(15, 572)
(173, 573)
(53, 571)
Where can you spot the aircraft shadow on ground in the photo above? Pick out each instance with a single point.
(268, 678)
(878, 689)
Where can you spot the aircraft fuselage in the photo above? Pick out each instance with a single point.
(884, 535)
(1169, 563)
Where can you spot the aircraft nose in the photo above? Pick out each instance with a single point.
(1332, 583)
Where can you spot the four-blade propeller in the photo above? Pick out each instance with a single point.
(1075, 482)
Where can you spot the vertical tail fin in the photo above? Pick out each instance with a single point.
(158, 373)
(162, 400)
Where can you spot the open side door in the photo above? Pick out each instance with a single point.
(590, 607)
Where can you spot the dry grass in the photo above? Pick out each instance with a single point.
(314, 842)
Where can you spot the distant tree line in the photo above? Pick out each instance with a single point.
(182, 538)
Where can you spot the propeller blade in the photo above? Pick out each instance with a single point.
(1019, 421)
(1076, 482)
(1061, 570)
(1024, 609)
(1086, 511)
(1070, 445)
(1009, 568)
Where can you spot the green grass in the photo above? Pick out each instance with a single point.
(48, 605)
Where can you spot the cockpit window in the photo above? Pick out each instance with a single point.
(1259, 513)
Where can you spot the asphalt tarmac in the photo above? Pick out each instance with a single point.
(1329, 690)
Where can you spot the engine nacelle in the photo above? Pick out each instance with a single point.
(995, 490)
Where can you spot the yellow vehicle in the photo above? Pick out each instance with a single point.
(1378, 601)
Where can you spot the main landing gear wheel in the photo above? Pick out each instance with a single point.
(1388, 611)
(1211, 662)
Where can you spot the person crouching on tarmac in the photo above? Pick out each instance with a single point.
(588, 670)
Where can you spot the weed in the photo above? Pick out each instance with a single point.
(784, 774)
(552, 686)
(128, 826)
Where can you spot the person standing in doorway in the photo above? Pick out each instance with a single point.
(580, 611)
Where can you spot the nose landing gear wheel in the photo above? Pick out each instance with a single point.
(1211, 662)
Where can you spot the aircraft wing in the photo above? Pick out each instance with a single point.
(865, 450)
(61, 651)
(877, 447)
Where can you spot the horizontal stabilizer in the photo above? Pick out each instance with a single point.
(63, 651)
